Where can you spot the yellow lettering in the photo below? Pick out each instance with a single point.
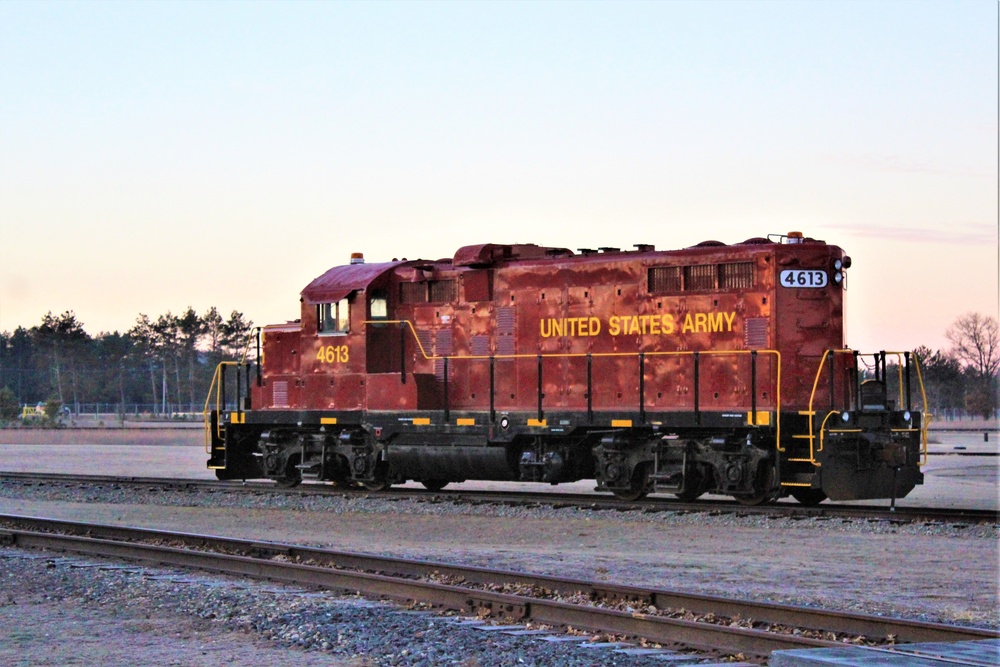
(654, 326)
(558, 327)
(613, 326)
(688, 324)
(729, 321)
(545, 331)
(700, 322)
(330, 354)
(595, 326)
(714, 322)
(667, 322)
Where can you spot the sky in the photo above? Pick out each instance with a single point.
(160, 155)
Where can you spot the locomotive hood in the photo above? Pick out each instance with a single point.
(340, 281)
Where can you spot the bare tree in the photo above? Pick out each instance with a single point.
(975, 341)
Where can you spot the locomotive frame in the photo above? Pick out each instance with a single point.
(717, 368)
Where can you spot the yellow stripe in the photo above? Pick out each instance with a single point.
(421, 421)
(236, 418)
(763, 418)
(327, 420)
(794, 484)
(622, 423)
(466, 422)
(216, 467)
(536, 422)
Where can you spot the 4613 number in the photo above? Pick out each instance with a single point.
(332, 354)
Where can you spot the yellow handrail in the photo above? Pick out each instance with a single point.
(563, 355)
(216, 387)
(819, 371)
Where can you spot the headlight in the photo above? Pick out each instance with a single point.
(846, 416)
(837, 264)
(907, 416)
(838, 277)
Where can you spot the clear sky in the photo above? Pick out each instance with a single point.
(155, 155)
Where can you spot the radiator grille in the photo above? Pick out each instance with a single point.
(480, 346)
(506, 326)
(665, 279)
(442, 348)
(413, 292)
(506, 321)
(442, 291)
(700, 277)
(279, 394)
(755, 336)
(736, 276)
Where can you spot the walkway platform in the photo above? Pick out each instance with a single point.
(978, 654)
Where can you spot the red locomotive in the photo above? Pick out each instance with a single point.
(716, 368)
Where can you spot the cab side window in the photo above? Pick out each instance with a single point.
(379, 305)
(334, 318)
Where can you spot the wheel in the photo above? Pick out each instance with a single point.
(763, 491)
(292, 476)
(808, 497)
(696, 483)
(288, 481)
(638, 485)
(434, 484)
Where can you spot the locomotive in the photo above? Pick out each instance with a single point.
(711, 369)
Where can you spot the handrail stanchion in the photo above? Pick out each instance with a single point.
(493, 408)
(697, 382)
(540, 413)
(909, 401)
(402, 354)
(222, 384)
(642, 387)
(590, 388)
(447, 404)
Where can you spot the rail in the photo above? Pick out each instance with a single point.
(470, 589)
(695, 355)
(904, 398)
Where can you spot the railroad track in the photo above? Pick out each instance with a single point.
(700, 622)
(552, 499)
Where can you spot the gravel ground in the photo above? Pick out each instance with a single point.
(73, 611)
(936, 572)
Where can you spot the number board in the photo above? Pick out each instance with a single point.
(808, 278)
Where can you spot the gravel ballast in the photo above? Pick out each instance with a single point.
(128, 615)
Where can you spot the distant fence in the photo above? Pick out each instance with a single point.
(130, 410)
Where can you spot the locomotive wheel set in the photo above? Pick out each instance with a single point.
(712, 369)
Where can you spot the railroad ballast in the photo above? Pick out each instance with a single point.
(711, 369)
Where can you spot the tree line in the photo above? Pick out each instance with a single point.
(167, 364)
(164, 364)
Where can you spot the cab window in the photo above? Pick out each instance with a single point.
(334, 318)
(378, 305)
